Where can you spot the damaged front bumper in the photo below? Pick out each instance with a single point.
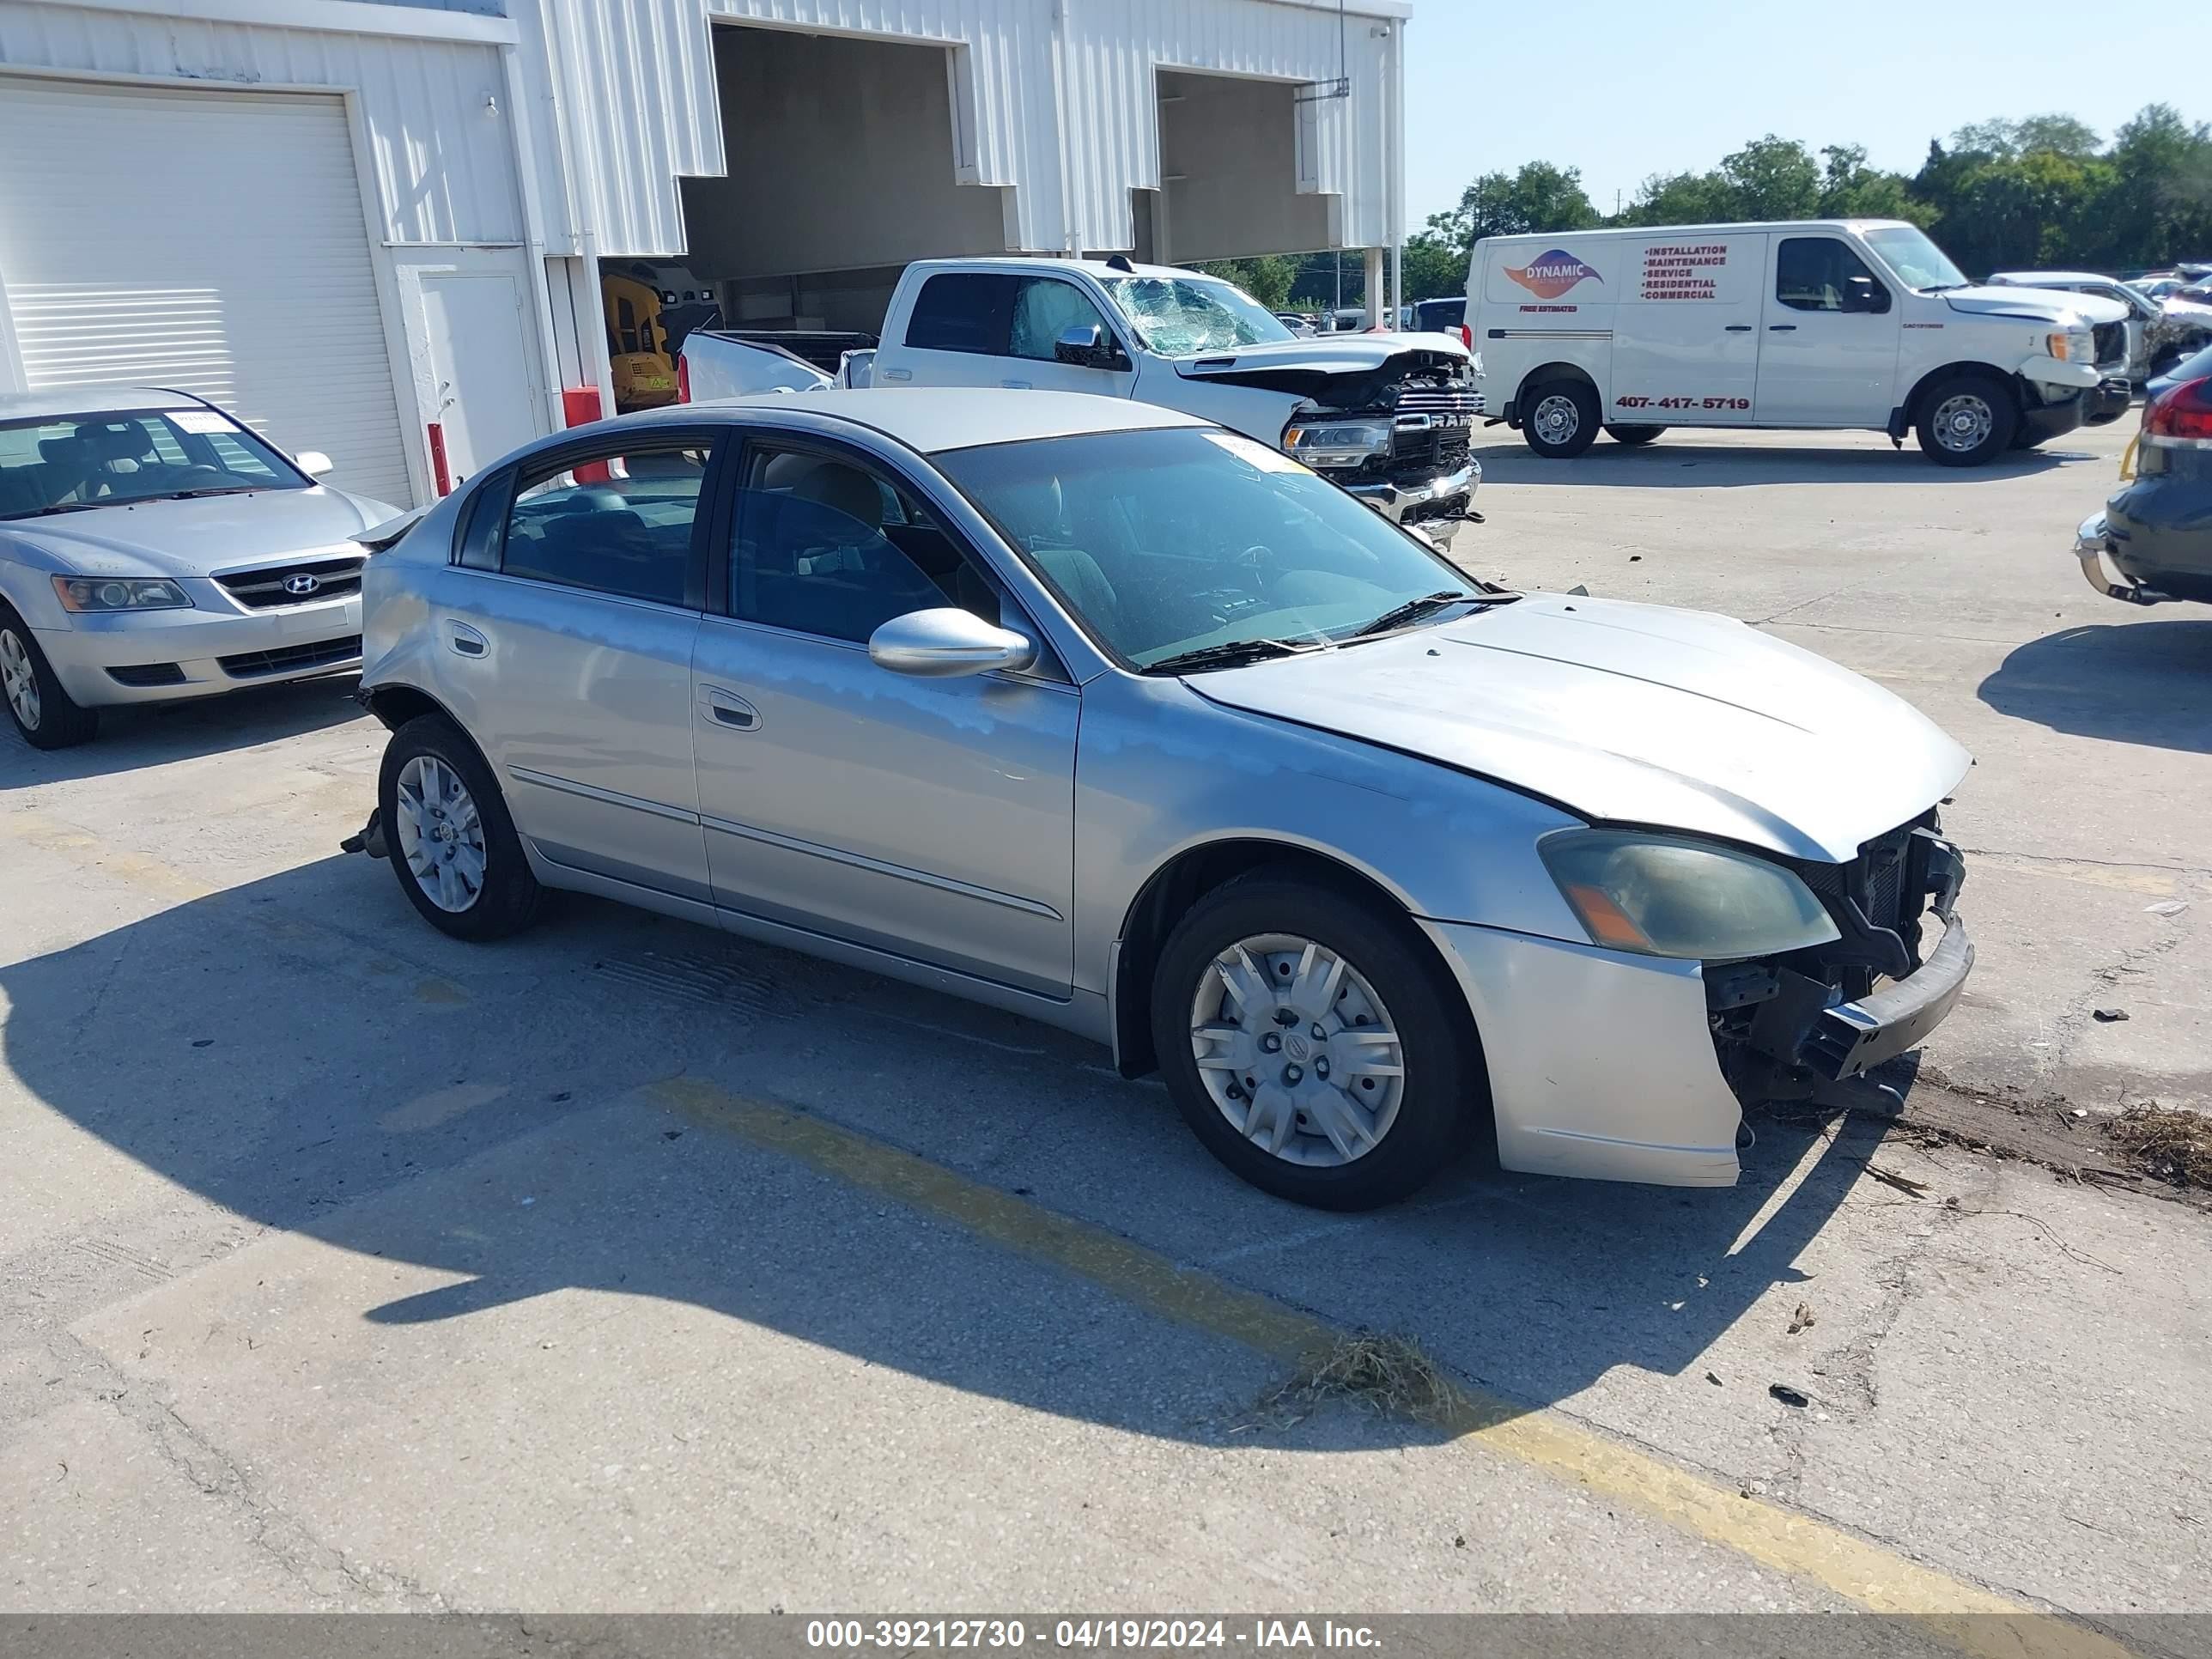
(1439, 504)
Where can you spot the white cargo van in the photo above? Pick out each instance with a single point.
(1816, 323)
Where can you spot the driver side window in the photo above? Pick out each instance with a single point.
(1045, 308)
(1814, 273)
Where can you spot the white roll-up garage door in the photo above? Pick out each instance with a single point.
(212, 242)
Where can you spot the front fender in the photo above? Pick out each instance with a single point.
(2053, 371)
(1160, 771)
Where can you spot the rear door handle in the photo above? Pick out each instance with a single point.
(1782, 328)
(466, 640)
(727, 709)
(1018, 385)
(1739, 328)
(895, 375)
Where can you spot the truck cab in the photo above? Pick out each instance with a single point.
(1819, 324)
(1389, 417)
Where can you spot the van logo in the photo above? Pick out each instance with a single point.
(1550, 275)
(302, 583)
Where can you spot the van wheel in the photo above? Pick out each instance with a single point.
(1966, 420)
(451, 843)
(1559, 418)
(1633, 435)
(1309, 1044)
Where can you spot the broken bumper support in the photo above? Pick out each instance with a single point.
(2092, 546)
(1439, 504)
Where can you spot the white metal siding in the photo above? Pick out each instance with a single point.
(441, 159)
(209, 242)
(636, 93)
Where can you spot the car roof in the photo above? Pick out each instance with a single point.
(1019, 262)
(61, 402)
(934, 419)
(1743, 226)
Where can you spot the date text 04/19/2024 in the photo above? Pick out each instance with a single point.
(1258, 1635)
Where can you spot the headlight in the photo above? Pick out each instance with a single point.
(2071, 348)
(120, 593)
(1663, 897)
(1324, 443)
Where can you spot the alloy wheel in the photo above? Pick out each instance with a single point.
(1297, 1050)
(19, 679)
(440, 833)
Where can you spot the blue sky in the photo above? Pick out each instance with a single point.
(1621, 88)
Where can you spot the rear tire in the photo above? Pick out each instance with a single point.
(450, 842)
(1967, 419)
(1370, 1131)
(1633, 436)
(1559, 418)
(47, 716)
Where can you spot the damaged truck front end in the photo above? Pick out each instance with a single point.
(1397, 434)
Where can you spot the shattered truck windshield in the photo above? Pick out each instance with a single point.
(1179, 318)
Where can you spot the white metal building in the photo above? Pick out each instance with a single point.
(355, 221)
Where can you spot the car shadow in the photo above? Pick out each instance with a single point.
(342, 1109)
(2144, 682)
(137, 735)
(1704, 465)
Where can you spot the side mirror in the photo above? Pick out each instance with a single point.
(1086, 346)
(313, 462)
(947, 643)
(1864, 293)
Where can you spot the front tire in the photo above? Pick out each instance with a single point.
(450, 840)
(46, 715)
(1308, 1042)
(1559, 418)
(1633, 436)
(1966, 420)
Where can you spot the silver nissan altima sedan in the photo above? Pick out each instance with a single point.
(1092, 711)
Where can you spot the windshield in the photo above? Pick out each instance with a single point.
(1918, 261)
(1168, 542)
(77, 462)
(1180, 317)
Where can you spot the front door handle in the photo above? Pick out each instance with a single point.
(1782, 328)
(727, 709)
(1739, 328)
(465, 640)
(1018, 385)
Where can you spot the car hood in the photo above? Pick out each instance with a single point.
(1628, 713)
(2041, 305)
(196, 537)
(1336, 354)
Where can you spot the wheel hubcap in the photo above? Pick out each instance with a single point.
(440, 835)
(1297, 1050)
(1556, 418)
(18, 680)
(1964, 422)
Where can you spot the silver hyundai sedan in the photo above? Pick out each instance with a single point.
(1092, 711)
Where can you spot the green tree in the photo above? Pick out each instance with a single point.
(1266, 277)
(1772, 178)
(2060, 135)
(1682, 198)
(1851, 189)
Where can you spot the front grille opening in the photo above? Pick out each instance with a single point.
(258, 665)
(308, 582)
(147, 673)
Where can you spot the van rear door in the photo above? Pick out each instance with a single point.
(1686, 337)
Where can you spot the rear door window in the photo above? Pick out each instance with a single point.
(621, 524)
(968, 311)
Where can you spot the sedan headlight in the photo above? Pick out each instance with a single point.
(120, 593)
(1664, 898)
(1324, 443)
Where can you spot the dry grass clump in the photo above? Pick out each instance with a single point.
(1387, 1376)
(2166, 1144)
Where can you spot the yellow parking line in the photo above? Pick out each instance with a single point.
(1976, 1619)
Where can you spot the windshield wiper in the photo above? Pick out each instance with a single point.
(1230, 654)
(214, 489)
(59, 507)
(1398, 615)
